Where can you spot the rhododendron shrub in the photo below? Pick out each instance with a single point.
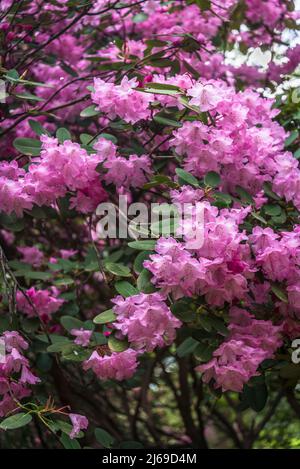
(152, 340)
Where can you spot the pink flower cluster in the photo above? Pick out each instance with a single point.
(15, 374)
(61, 168)
(145, 320)
(220, 269)
(118, 365)
(121, 100)
(278, 256)
(120, 171)
(41, 303)
(245, 146)
(250, 342)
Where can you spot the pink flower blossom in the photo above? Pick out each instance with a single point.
(79, 422)
(146, 320)
(83, 336)
(249, 343)
(31, 255)
(118, 365)
(121, 100)
(41, 303)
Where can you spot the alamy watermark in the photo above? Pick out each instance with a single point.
(295, 97)
(3, 94)
(2, 350)
(296, 353)
(143, 221)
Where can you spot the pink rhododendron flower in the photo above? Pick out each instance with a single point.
(67, 253)
(118, 365)
(146, 320)
(31, 255)
(83, 336)
(79, 422)
(206, 96)
(15, 374)
(249, 343)
(41, 303)
(121, 100)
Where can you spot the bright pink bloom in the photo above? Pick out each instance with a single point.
(118, 365)
(79, 422)
(42, 303)
(83, 336)
(250, 342)
(146, 320)
(31, 255)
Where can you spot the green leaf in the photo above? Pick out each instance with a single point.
(117, 345)
(212, 179)
(68, 443)
(28, 97)
(28, 146)
(37, 127)
(63, 281)
(268, 191)
(125, 289)
(217, 324)
(147, 245)
(155, 43)
(15, 421)
(144, 282)
(205, 323)
(68, 69)
(86, 138)
(259, 218)
(69, 323)
(186, 178)
(185, 102)
(203, 4)
(66, 427)
(110, 137)
(293, 136)
(297, 154)
(166, 121)
(272, 210)
(158, 180)
(120, 270)
(89, 111)
(244, 195)
(104, 438)
(139, 260)
(33, 275)
(58, 346)
(63, 134)
(187, 346)
(256, 396)
(75, 353)
(279, 292)
(11, 222)
(182, 309)
(204, 351)
(222, 199)
(163, 86)
(280, 219)
(105, 317)
(13, 76)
